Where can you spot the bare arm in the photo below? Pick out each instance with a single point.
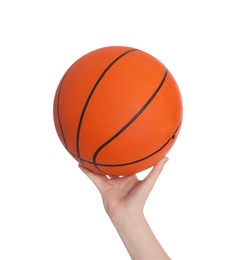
(124, 199)
(139, 239)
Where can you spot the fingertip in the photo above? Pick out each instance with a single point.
(160, 165)
(81, 166)
(84, 169)
(165, 159)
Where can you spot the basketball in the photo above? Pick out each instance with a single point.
(117, 110)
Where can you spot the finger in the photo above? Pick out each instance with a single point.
(154, 174)
(97, 179)
(148, 183)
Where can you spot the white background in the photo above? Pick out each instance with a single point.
(48, 208)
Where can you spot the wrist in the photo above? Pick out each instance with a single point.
(126, 218)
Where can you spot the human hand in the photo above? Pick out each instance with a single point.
(124, 199)
(125, 196)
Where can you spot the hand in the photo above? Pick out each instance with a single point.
(124, 199)
(125, 195)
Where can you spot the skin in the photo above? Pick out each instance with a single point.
(124, 199)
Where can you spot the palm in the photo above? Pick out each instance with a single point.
(119, 192)
(126, 193)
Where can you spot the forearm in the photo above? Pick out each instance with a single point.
(138, 238)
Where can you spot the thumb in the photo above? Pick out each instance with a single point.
(151, 178)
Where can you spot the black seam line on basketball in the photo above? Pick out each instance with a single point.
(124, 164)
(139, 160)
(90, 96)
(58, 111)
(131, 121)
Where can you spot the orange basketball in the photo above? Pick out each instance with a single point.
(117, 110)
